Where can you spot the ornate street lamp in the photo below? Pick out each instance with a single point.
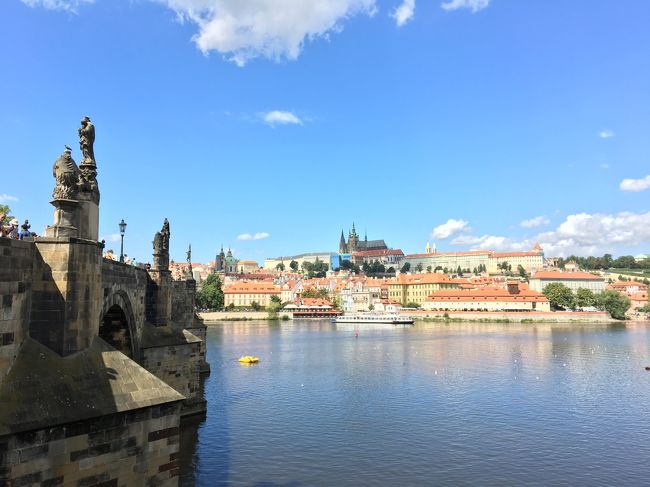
(122, 230)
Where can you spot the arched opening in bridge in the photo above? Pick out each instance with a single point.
(114, 330)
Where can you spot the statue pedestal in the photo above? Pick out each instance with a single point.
(88, 217)
(66, 219)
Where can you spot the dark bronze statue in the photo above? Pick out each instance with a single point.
(66, 174)
(87, 140)
(161, 247)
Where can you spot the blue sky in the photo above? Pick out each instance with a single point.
(471, 123)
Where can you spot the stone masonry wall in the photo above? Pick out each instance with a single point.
(184, 315)
(66, 293)
(138, 447)
(183, 303)
(179, 366)
(131, 283)
(16, 262)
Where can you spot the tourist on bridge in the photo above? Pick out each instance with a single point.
(24, 233)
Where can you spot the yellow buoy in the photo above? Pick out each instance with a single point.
(248, 359)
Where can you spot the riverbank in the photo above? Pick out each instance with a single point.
(213, 317)
(523, 317)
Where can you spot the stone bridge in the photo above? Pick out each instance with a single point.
(99, 360)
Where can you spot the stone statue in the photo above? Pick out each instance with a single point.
(161, 248)
(157, 242)
(166, 234)
(66, 174)
(189, 255)
(87, 140)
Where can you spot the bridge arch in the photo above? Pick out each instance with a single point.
(117, 325)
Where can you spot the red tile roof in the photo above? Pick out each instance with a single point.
(566, 276)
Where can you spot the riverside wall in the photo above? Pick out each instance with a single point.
(550, 317)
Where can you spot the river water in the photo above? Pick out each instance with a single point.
(431, 404)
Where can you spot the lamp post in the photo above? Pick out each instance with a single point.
(122, 230)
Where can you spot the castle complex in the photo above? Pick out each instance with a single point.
(354, 244)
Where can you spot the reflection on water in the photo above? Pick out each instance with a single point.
(431, 404)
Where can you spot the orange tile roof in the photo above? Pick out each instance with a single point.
(627, 283)
(377, 253)
(566, 276)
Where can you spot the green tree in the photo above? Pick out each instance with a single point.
(210, 294)
(459, 271)
(419, 267)
(438, 268)
(315, 293)
(429, 268)
(256, 306)
(347, 265)
(522, 272)
(406, 267)
(6, 210)
(559, 296)
(294, 265)
(412, 305)
(585, 298)
(280, 267)
(275, 305)
(614, 303)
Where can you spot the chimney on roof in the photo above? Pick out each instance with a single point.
(513, 287)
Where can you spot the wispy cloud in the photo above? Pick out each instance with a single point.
(604, 165)
(538, 221)
(279, 117)
(636, 185)
(257, 236)
(66, 5)
(404, 12)
(6, 198)
(473, 5)
(606, 134)
(446, 230)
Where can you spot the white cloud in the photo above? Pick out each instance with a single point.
(278, 117)
(6, 198)
(473, 5)
(604, 165)
(66, 5)
(606, 134)
(404, 12)
(579, 234)
(257, 236)
(636, 185)
(538, 221)
(448, 229)
(242, 30)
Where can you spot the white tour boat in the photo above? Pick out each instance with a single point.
(384, 318)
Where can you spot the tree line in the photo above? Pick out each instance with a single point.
(561, 297)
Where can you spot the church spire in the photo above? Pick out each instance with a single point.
(342, 244)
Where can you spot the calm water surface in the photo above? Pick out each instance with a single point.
(432, 404)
